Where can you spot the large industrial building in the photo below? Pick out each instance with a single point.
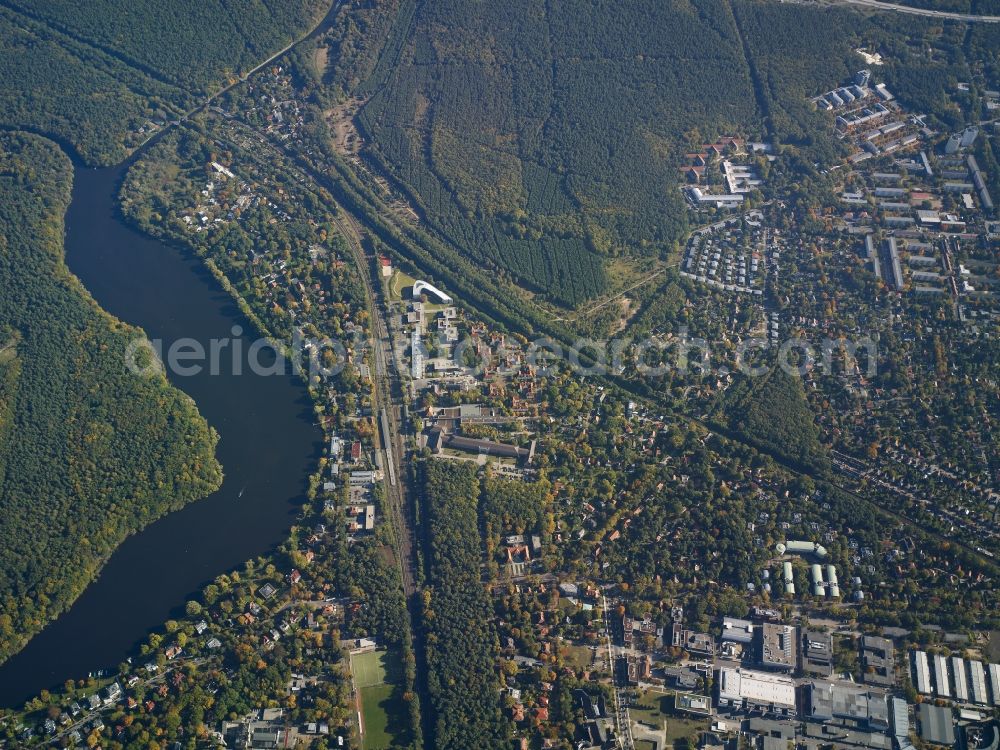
(738, 631)
(961, 685)
(937, 725)
(922, 672)
(756, 691)
(778, 647)
(942, 685)
(829, 700)
(817, 653)
(878, 661)
(977, 682)
(956, 679)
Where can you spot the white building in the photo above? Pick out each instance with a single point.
(942, 685)
(222, 170)
(416, 355)
(994, 673)
(739, 631)
(922, 672)
(761, 691)
(420, 287)
(958, 673)
(977, 682)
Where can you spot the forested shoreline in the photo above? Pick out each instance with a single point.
(89, 452)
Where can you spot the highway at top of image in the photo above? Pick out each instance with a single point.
(970, 17)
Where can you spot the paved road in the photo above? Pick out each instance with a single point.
(970, 17)
(622, 722)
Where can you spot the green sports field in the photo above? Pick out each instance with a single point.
(372, 668)
(380, 708)
(377, 676)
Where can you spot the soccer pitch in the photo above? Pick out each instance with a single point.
(377, 675)
(369, 668)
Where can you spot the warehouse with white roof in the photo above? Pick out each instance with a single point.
(942, 685)
(760, 691)
(977, 682)
(922, 672)
(958, 673)
(994, 674)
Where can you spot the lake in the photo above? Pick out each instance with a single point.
(268, 446)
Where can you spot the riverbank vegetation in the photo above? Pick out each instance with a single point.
(89, 452)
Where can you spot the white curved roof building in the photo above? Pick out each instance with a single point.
(420, 287)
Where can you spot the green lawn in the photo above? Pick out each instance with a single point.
(651, 708)
(378, 677)
(579, 657)
(397, 283)
(654, 708)
(381, 710)
(678, 727)
(375, 668)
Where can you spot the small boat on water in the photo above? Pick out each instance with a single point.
(241, 493)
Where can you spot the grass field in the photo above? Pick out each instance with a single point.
(371, 668)
(656, 710)
(381, 709)
(678, 727)
(651, 708)
(378, 677)
(397, 283)
(579, 657)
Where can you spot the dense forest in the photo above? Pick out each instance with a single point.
(984, 47)
(105, 76)
(190, 43)
(354, 46)
(82, 95)
(89, 453)
(507, 507)
(792, 63)
(462, 647)
(772, 413)
(541, 145)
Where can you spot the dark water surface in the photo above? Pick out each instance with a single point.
(267, 447)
